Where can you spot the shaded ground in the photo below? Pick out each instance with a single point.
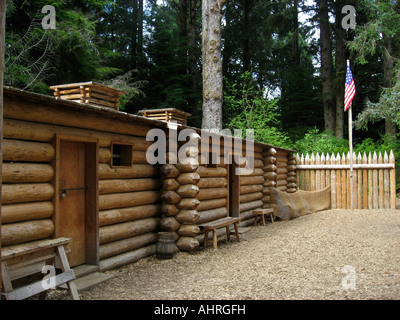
(334, 254)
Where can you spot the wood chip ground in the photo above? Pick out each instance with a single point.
(334, 254)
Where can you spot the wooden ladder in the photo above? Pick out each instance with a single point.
(22, 260)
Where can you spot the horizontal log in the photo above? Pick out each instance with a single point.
(212, 182)
(270, 176)
(116, 247)
(187, 243)
(18, 150)
(188, 178)
(250, 188)
(250, 205)
(187, 216)
(188, 204)
(282, 188)
(169, 224)
(68, 117)
(20, 232)
(169, 210)
(269, 152)
(104, 155)
(128, 199)
(270, 168)
(291, 179)
(251, 180)
(212, 172)
(212, 204)
(136, 171)
(291, 190)
(128, 185)
(188, 230)
(128, 229)
(27, 130)
(27, 172)
(281, 177)
(292, 162)
(250, 197)
(139, 157)
(266, 191)
(212, 193)
(27, 192)
(210, 215)
(291, 185)
(269, 160)
(282, 159)
(170, 184)
(266, 199)
(108, 217)
(256, 172)
(169, 171)
(188, 191)
(281, 153)
(170, 197)
(26, 211)
(281, 170)
(127, 257)
(281, 183)
(190, 165)
(269, 183)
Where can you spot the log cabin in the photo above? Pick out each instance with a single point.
(78, 169)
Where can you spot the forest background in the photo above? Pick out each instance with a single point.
(284, 63)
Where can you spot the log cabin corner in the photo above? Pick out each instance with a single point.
(79, 170)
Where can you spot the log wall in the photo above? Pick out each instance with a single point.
(129, 198)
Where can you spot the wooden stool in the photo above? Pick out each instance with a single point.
(263, 212)
(30, 258)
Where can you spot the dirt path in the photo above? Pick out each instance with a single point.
(334, 254)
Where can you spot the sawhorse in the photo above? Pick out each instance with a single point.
(19, 261)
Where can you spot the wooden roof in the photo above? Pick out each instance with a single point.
(107, 112)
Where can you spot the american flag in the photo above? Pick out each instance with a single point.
(350, 88)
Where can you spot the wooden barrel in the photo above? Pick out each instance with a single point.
(165, 246)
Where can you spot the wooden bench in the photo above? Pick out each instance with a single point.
(20, 261)
(263, 213)
(214, 225)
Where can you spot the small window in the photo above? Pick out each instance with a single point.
(211, 163)
(121, 155)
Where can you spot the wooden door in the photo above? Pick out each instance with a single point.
(72, 189)
(234, 190)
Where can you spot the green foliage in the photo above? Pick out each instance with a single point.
(326, 142)
(249, 109)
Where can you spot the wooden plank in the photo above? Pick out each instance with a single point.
(220, 223)
(333, 185)
(37, 287)
(392, 182)
(365, 183)
(370, 183)
(338, 184)
(359, 183)
(18, 250)
(375, 195)
(380, 183)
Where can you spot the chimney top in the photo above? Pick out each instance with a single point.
(91, 93)
(167, 114)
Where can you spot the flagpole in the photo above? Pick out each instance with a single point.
(351, 151)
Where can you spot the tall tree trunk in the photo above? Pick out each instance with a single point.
(340, 67)
(133, 44)
(192, 51)
(212, 64)
(388, 64)
(2, 39)
(245, 34)
(295, 39)
(326, 66)
(183, 32)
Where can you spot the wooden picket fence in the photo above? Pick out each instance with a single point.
(373, 185)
